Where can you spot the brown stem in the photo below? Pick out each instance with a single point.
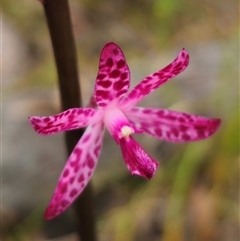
(59, 24)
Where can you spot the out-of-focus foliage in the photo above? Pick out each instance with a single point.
(195, 193)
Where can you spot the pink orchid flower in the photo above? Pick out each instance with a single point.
(114, 109)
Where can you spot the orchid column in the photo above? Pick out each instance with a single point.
(59, 24)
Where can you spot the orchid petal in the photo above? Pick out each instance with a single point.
(153, 81)
(77, 171)
(172, 125)
(137, 159)
(113, 77)
(67, 120)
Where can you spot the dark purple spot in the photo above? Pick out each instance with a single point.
(96, 150)
(170, 117)
(178, 65)
(63, 188)
(181, 119)
(52, 130)
(144, 124)
(183, 54)
(147, 111)
(90, 161)
(76, 168)
(73, 193)
(183, 128)
(79, 111)
(71, 117)
(118, 85)
(158, 132)
(121, 92)
(66, 112)
(101, 76)
(105, 84)
(89, 174)
(86, 138)
(120, 64)
(146, 91)
(102, 93)
(175, 132)
(124, 76)
(59, 125)
(176, 71)
(101, 104)
(73, 163)
(199, 127)
(81, 178)
(59, 116)
(115, 51)
(71, 180)
(115, 73)
(144, 82)
(64, 203)
(160, 113)
(200, 133)
(47, 119)
(148, 86)
(75, 123)
(159, 75)
(167, 68)
(65, 173)
(36, 120)
(74, 111)
(97, 139)
(77, 152)
(186, 137)
(185, 115)
(134, 93)
(49, 124)
(109, 62)
(190, 119)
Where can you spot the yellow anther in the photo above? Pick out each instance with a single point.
(126, 131)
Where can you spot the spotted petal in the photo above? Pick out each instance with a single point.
(113, 77)
(137, 159)
(68, 120)
(172, 125)
(153, 81)
(77, 171)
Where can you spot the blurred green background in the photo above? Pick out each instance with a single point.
(195, 193)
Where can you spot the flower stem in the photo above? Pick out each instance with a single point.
(59, 24)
